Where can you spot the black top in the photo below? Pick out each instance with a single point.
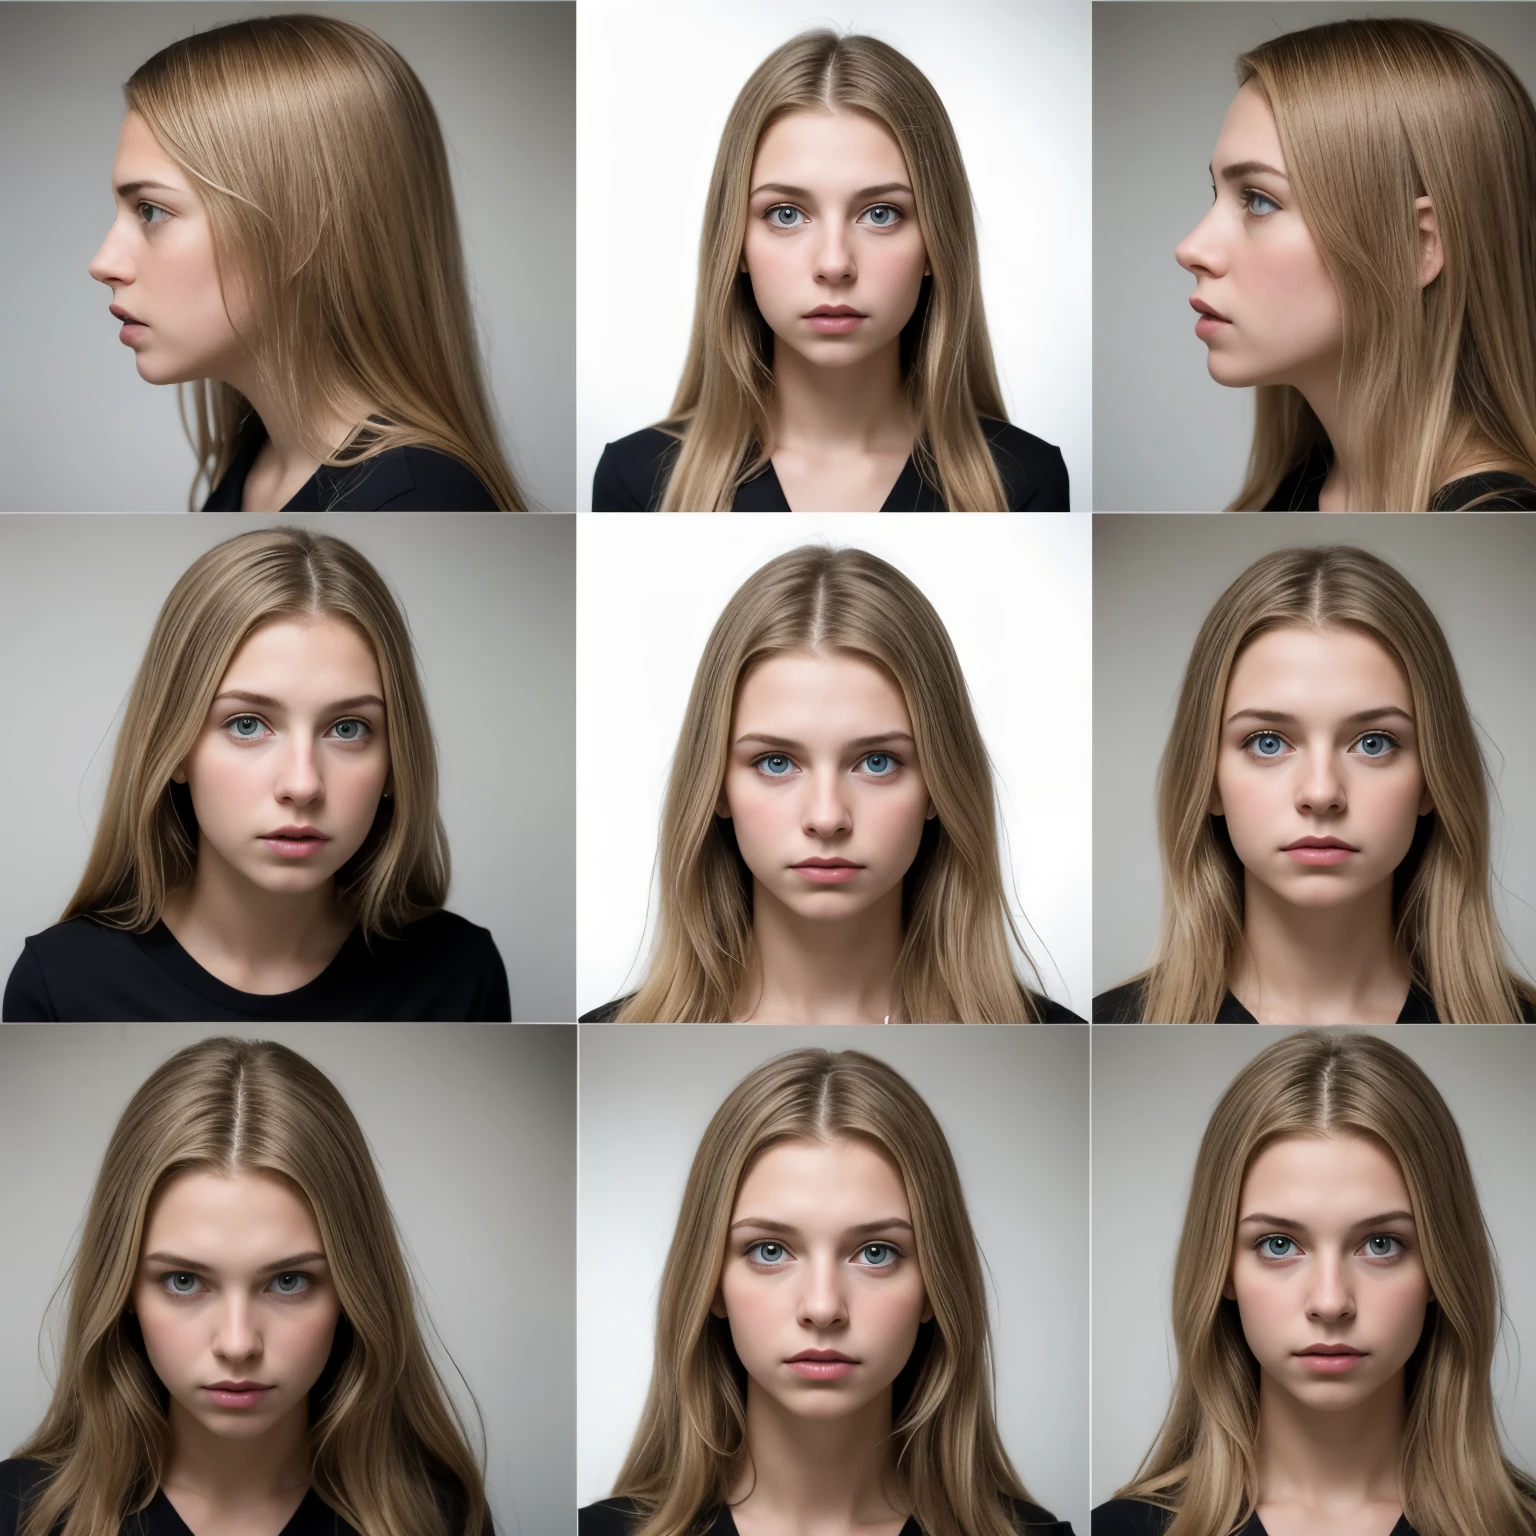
(1300, 490)
(410, 479)
(1050, 1013)
(632, 474)
(618, 1517)
(440, 968)
(1133, 1517)
(1126, 1004)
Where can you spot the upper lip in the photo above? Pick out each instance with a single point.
(1205, 309)
(822, 1354)
(122, 314)
(1331, 1349)
(834, 309)
(292, 831)
(1320, 842)
(238, 1386)
(820, 863)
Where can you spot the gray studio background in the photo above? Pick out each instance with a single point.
(1153, 1092)
(473, 1130)
(79, 429)
(1013, 1104)
(491, 605)
(1154, 581)
(1167, 437)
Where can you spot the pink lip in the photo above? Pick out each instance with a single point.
(1210, 323)
(295, 842)
(1319, 850)
(237, 1397)
(826, 871)
(835, 319)
(1328, 1360)
(821, 1364)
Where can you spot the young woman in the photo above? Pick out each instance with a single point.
(270, 846)
(829, 844)
(1369, 263)
(262, 253)
(822, 1346)
(839, 360)
(1336, 1309)
(1323, 815)
(242, 1350)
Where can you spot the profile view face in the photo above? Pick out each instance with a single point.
(293, 757)
(158, 260)
(1318, 772)
(833, 248)
(822, 786)
(1269, 312)
(235, 1302)
(821, 1285)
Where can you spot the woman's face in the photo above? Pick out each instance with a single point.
(833, 246)
(158, 261)
(822, 784)
(293, 757)
(1256, 265)
(1326, 1269)
(1318, 772)
(821, 1285)
(235, 1300)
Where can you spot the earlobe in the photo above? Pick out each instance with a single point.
(1215, 805)
(1426, 802)
(717, 1304)
(179, 776)
(1431, 252)
(723, 807)
(932, 810)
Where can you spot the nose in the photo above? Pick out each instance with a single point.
(236, 1337)
(834, 254)
(113, 263)
(1329, 1296)
(1320, 787)
(1201, 250)
(823, 1303)
(298, 774)
(826, 812)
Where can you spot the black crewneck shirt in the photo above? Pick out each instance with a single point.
(1127, 1004)
(1049, 1012)
(440, 968)
(618, 1517)
(1135, 1517)
(1301, 490)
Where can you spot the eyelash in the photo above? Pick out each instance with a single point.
(784, 757)
(345, 720)
(750, 1251)
(1280, 1237)
(1247, 196)
(1393, 745)
(772, 223)
(139, 208)
(287, 1274)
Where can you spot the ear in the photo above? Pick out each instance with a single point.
(1431, 252)
(932, 810)
(723, 807)
(717, 1303)
(1228, 1290)
(1215, 803)
(927, 1316)
(1426, 802)
(179, 776)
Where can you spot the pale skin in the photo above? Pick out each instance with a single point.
(832, 221)
(820, 1256)
(233, 1287)
(1319, 740)
(823, 767)
(1327, 1253)
(295, 740)
(158, 260)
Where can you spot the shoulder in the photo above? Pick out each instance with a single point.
(52, 962)
(1033, 472)
(607, 1013)
(447, 938)
(1030, 1520)
(1499, 492)
(1129, 1517)
(608, 1517)
(1121, 1005)
(412, 478)
(1048, 1011)
(19, 1479)
(442, 965)
(633, 470)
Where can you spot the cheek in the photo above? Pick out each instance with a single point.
(307, 1335)
(892, 821)
(1303, 305)
(1399, 1311)
(772, 265)
(756, 1313)
(1264, 1305)
(894, 265)
(222, 784)
(1251, 802)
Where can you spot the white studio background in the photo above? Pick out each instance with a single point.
(1013, 1105)
(1014, 594)
(657, 82)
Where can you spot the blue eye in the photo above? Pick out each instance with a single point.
(290, 1284)
(1377, 744)
(775, 765)
(181, 1283)
(1252, 198)
(883, 216)
(1265, 744)
(351, 730)
(1394, 1246)
(878, 1255)
(145, 209)
(1277, 1247)
(784, 216)
(771, 1254)
(244, 727)
(880, 765)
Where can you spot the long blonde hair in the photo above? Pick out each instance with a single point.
(146, 843)
(721, 409)
(383, 1430)
(1446, 926)
(305, 137)
(1372, 114)
(955, 964)
(1456, 1480)
(949, 1463)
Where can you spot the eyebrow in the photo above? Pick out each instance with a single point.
(1360, 717)
(1264, 1219)
(1242, 168)
(795, 746)
(128, 188)
(784, 190)
(763, 1224)
(178, 1261)
(266, 701)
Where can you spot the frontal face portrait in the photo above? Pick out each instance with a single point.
(657, 90)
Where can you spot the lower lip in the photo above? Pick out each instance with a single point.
(1208, 325)
(132, 331)
(835, 325)
(821, 1370)
(1330, 1365)
(295, 848)
(1320, 855)
(224, 1399)
(821, 874)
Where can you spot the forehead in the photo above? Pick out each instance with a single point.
(140, 157)
(1324, 1180)
(1317, 673)
(230, 1219)
(1248, 131)
(298, 658)
(819, 696)
(823, 1184)
(828, 152)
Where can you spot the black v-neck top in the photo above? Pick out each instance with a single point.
(632, 474)
(439, 968)
(1126, 1005)
(1048, 1011)
(1301, 490)
(1134, 1517)
(412, 479)
(618, 1517)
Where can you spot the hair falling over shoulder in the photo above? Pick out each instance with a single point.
(1438, 379)
(146, 841)
(306, 136)
(384, 1434)
(1446, 925)
(721, 409)
(691, 1445)
(957, 962)
(1456, 1480)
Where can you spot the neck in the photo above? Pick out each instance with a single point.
(816, 1474)
(862, 406)
(1320, 389)
(292, 445)
(818, 972)
(235, 1473)
(1319, 965)
(1331, 1460)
